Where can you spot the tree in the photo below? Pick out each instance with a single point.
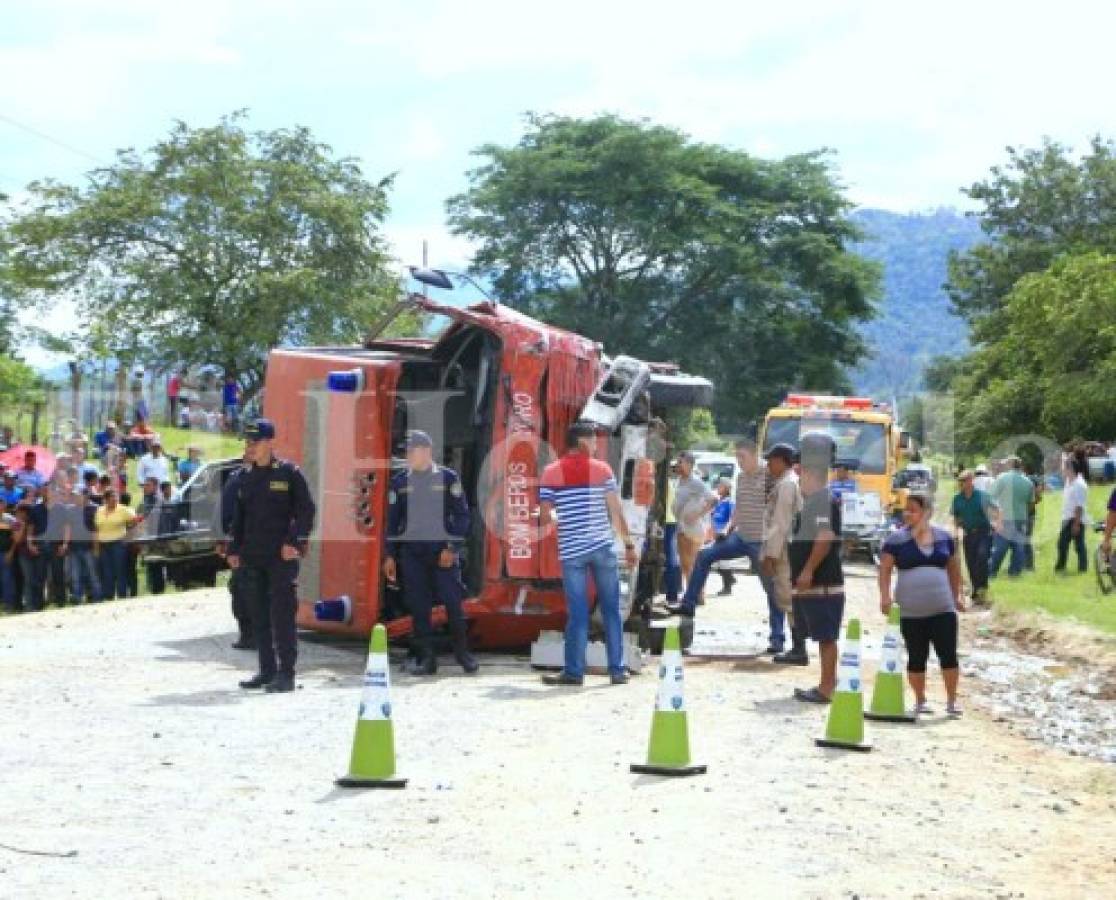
(1050, 220)
(1041, 204)
(1054, 370)
(22, 392)
(212, 247)
(669, 249)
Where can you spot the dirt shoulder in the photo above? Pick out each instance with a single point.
(126, 740)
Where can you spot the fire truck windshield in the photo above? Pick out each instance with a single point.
(863, 444)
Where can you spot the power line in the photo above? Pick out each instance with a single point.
(42, 135)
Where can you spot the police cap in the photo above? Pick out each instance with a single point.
(260, 430)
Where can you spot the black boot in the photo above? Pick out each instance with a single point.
(461, 649)
(797, 655)
(282, 683)
(258, 680)
(246, 641)
(426, 660)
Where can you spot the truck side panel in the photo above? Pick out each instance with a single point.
(342, 442)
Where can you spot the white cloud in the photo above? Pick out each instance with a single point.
(91, 60)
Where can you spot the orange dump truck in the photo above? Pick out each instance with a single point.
(497, 390)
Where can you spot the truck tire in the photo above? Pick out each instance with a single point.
(680, 390)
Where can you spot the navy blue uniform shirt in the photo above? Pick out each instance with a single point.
(427, 508)
(273, 508)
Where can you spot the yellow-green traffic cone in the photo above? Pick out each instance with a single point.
(373, 761)
(669, 749)
(845, 728)
(888, 701)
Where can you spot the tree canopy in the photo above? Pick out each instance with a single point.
(21, 387)
(1038, 294)
(212, 247)
(669, 249)
(1041, 204)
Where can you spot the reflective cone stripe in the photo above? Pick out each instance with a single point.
(668, 751)
(372, 763)
(845, 727)
(888, 701)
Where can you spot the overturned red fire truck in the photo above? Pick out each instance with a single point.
(498, 389)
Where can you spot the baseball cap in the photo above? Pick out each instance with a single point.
(417, 439)
(260, 430)
(785, 452)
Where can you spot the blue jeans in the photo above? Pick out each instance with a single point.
(672, 568)
(83, 575)
(734, 547)
(575, 581)
(114, 569)
(1013, 536)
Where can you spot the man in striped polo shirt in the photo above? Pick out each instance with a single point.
(579, 492)
(752, 486)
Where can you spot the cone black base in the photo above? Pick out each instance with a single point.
(880, 717)
(387, 783)
(840, 745)
(642, 769)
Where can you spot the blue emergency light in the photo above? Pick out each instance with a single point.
(349, 381)
(337, 609)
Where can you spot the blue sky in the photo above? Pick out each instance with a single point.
(916, 100)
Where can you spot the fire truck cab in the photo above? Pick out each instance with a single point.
(497, 391)
(867, 439)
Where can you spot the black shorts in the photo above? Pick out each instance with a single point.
(821, 616)
(919, 634)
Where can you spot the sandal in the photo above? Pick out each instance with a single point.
(923, 709)
(811, 696)
(953, 710)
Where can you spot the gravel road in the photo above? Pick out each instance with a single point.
(127, 743)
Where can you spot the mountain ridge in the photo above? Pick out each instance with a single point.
(914, 321)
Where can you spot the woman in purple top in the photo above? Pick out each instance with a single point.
(929, 596)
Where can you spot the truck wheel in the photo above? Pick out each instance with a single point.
(175, 576)
(680, 390)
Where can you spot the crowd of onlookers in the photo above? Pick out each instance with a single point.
(995, 509)
(71, 530)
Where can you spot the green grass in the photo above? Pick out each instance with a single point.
(1068, 596)
(214, 446)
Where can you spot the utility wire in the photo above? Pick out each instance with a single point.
(42, 135)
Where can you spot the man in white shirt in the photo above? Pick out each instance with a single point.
(154, 464)
(1074, 497)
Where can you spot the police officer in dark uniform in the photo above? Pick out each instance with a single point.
(428, 520)
(272, 518)
(240, 608)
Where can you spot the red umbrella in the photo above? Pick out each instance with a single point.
(44, 459)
